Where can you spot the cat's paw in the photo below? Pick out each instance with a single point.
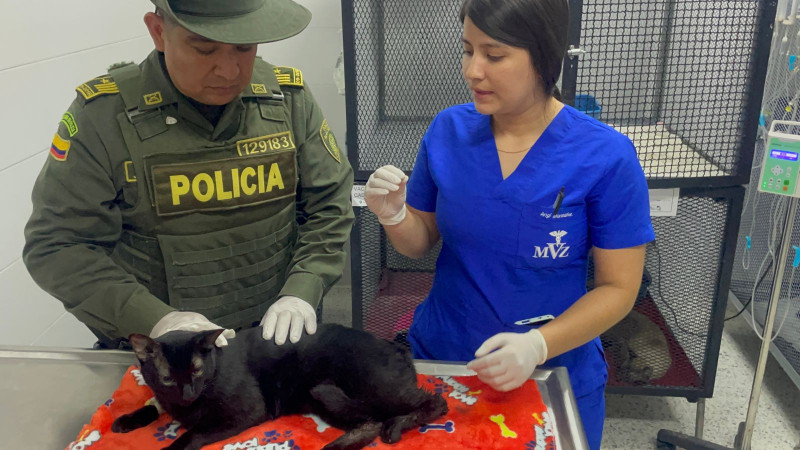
(392, 430)
(137, 419)
(125, 423)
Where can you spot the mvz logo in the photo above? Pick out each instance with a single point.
(555, 249)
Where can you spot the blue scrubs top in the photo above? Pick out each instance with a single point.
(505, 256)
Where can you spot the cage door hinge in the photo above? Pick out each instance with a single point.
(575, 51)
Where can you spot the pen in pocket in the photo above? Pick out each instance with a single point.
(559, 199)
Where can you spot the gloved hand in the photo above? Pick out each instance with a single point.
(386, 194)
(288, 315)
(189, 321)
(515, 357)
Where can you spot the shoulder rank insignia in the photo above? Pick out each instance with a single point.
(59, 148)
(329, 141)
(289, 76)
(98, 86)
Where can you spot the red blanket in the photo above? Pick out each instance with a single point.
(479, 418)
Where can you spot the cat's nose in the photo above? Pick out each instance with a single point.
(188, 392)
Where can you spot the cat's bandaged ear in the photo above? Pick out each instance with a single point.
(143, 346)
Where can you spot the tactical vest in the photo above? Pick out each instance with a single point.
(209, 226)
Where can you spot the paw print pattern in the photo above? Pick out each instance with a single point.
(275, 437)
(439, 386)
(168, 431)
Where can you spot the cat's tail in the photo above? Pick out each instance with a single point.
(431, 408)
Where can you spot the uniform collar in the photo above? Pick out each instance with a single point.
(157, 89)
(156, 85)
(264, 82)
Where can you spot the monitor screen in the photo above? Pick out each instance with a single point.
(783, 154)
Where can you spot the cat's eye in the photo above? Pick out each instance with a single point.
(197, 372)
(167, 381)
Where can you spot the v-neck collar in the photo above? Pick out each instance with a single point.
(536, 156)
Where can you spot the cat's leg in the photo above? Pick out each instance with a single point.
(356, 438)
(137, 419)
(338, 404)
(432, 407)
(202, 435)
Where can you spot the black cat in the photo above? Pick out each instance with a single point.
(351, 379)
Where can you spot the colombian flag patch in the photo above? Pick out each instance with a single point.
(59, 148)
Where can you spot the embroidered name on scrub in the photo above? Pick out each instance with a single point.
(224, 184)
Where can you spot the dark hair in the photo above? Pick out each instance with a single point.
(539, 26)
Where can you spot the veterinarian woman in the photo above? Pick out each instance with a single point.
(520, 188)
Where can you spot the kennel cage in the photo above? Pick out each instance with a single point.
(670, 345)
(681, 78)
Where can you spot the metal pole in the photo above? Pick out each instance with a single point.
(700, 418)
(780, 265)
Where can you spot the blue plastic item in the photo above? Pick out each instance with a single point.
(796, 256)
(587, 104)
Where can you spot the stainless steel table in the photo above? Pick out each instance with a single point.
(48, 394)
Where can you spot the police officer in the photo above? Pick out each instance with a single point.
(199, 189)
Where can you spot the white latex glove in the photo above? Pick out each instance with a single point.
(288, 315)
(189, 321)
(386, 194)
(513, 360)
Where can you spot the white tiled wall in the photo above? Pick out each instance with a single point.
(49, 48)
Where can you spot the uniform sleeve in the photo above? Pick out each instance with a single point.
(73, 229)
(618, 205)
(421, 190)
(324, 210)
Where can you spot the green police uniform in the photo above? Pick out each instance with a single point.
(144, 207)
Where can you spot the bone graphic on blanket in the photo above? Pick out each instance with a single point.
(137, 375)
(460, 392)
(504, 430)
(321, 425)
(448, 426)
(86, 441)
